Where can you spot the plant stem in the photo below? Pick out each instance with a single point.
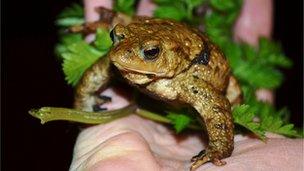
(159, 118)
(46, 114)
(152, 116)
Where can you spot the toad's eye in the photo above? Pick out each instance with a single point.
(151, 53)
(116, 37)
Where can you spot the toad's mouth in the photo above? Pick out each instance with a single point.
(126, 69)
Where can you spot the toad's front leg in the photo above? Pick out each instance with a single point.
(215, 110)
(96, 77)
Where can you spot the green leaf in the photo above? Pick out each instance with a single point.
(243, 116)
(214, 20)
(275, 124)
(75, 10)
(284, 113)
(125, 6)
(250, 52)
(180, 121)
(71, 16)
(103, 40)
(271, 54)
(170, 12)
(71, 21)
(79, 57)
(195, 3)
(163, 2)
(273, 121)
(258, 75)
(65, 40)
(223, 5)
(234, 54)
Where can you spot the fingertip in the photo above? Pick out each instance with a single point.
(255, 20)
(146, 8)
(90, 6)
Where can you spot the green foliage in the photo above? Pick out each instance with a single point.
(77, 59)
(179, 121)
(170, 12)
(103, 40)
(226, 5)
(267, 120)
(78, 55)
(270, 53)
(258, 75)
(256, 67)
(71, 16)
(180, 10)
(125, 6)
(273, 121)
(243, 116)
(66, 40)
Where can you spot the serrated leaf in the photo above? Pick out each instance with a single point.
(214, 20)
(162, 2)
(65, 40)
(75, 10)
(243, 116)
(68, 22)
(195, 3)
(71, 16)
(250, 52)
(272, 121)
(258, 75)
(234, 54)
(103, 40)
(271, 54)
(180, 121)
(278, 60)
(284, 113)
(170, 12)
(223, 5)
(79, 57)
(125, 6)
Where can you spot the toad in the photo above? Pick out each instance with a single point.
(174, 63)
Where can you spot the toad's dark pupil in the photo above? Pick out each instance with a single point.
(151, 53)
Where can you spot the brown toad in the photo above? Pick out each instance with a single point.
(174, 63)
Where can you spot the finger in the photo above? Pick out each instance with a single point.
(125, 151)
(265, 95)
(90, 6)
(255, 21)
(113, 146)
(146, 8)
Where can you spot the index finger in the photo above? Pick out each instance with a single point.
(90, 6)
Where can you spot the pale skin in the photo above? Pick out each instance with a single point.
(134, 143)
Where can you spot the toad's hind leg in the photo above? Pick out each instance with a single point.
(96, 77)
(215, 110)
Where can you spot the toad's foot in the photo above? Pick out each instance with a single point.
(99, 101)
(203, 157)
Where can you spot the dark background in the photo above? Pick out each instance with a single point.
(31, 77)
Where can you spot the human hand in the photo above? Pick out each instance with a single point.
(134, 143)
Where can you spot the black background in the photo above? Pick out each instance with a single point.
(31, 77)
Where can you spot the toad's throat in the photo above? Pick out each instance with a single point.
(138, 71)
